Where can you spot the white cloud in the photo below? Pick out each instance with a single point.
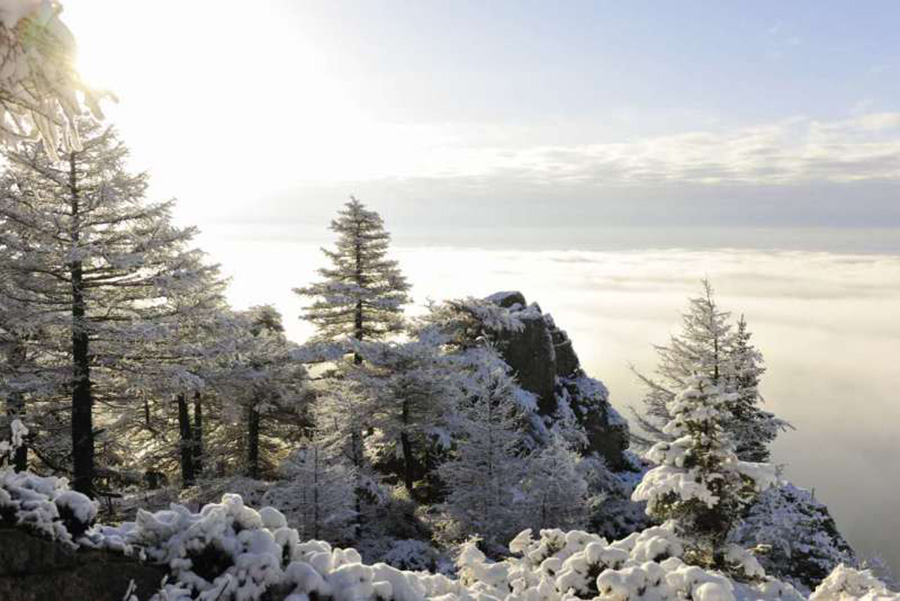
(797, 150)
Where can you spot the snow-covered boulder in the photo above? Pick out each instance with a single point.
(545, 364)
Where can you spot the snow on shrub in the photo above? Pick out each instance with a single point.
(845, 583)
(45, 506)
(230, 552)
(412, 555)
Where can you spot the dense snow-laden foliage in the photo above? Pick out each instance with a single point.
(88, 266)
(363, 292)
(556, 490)
(802, 542)
(846, 584)
(699, 483)
(44, 505)
(317, 491)
(230, 552)
(40, 91)
(485, 470)
(709, 345)
(411, 388)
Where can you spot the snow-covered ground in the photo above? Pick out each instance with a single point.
(229, 551)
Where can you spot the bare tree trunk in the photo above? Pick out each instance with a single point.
(406, 447)
(253, 418)
(358, 280)
(82, 400)
(356, 442)
(198, 433)
(186, 443)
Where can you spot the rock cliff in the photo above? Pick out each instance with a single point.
(545, 363)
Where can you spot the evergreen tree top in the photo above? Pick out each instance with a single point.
(362, 292)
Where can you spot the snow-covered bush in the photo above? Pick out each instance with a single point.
(846, 583)
(45, 506)
(412, 555)
(230, 552)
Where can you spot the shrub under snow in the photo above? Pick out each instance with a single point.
(229, 551)
(45, 506)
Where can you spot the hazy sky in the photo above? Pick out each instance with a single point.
(569, 139)
(769, 114)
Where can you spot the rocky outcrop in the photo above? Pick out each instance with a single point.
(545, 363)
(35, 569)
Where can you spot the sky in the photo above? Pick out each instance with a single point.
(601, 156)
(467, 115)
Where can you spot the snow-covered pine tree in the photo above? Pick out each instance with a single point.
(344, 412)
(362, 293)
(181, 365)
(317, 494)
(709, 345)
(265, 382)
(484, 473)
(699, 483)
(411, 389)
(556, 491)
(751, 428)
(13, 363)
(89, 260)
(701, 346)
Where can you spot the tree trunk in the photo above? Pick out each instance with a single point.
(186, 443)
(198, 433)
(406, 447)
(358, 280)
(316, 492)
(356, 442)
(253, 442)
(357, 329)
(82, 401)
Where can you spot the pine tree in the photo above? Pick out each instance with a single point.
(702, 345)
(484, 473)
(317, 496)
(699, 483)
(709, 345)
(89, 264)
(344, 413)
(363, 292)
(752, 429)
(264, 381)
(411, 389)
(556, 492)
